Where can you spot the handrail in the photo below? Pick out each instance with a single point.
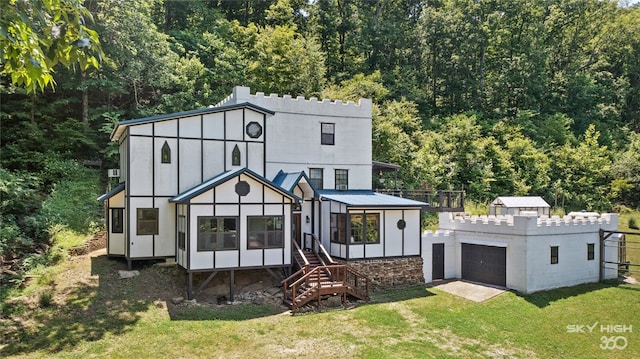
(322, 249)
(304, 258)
(349, 279)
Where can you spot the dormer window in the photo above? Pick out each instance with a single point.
(235, 156)
(165, 153)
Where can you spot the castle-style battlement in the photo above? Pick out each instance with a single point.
(300, 104)
(527, 225)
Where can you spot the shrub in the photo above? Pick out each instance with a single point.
(45, 299)
(633, 224)
(72, 201)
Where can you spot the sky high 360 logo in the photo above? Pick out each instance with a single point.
(607, 342)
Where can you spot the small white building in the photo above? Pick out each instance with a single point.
(232, 186)
(526, 253)
(516, 205)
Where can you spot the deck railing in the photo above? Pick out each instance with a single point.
(301, 288)
(436, 201)
(310, 283)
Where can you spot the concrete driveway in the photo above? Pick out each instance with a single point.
(476, 292)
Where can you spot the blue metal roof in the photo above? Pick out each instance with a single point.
(289, 180)
(367, 198)
(117, 131)
(224, 177)
(117, 189)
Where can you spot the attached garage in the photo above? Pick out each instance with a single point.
(484, 264)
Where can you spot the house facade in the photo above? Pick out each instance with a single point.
(233, 186)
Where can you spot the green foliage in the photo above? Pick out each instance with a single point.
(21, 225)
(37, 35)
(633, 223)
(72, 201)
(45, 299)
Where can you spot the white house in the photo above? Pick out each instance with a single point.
(231, 187)
(526, 253)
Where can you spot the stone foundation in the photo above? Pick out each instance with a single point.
(387, 273)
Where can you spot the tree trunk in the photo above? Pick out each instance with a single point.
(85, 98)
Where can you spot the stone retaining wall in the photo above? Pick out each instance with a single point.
(98, 241)
(386, 273)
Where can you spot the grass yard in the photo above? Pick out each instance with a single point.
(93, 313)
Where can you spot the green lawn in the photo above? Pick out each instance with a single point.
(103, 316)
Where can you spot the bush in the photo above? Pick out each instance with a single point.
(45, 299)
(633, 224)
(73, 203)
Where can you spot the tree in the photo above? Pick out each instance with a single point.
(37, 35)
(626, 171)
(582, 175)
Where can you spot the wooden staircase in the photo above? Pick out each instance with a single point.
(319, 276)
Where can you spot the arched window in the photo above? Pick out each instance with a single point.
(165, 153)
(235, 156)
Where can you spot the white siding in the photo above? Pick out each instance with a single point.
(213, 158)
(213, 126)
(166, 242)
(141, 171)
(167, 128)
(234, 125)
(190, 127)
(165, 174)
(190, 173)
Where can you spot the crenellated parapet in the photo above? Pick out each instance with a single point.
(300, 104)
(527, 225)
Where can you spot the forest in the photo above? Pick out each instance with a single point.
(494, 97)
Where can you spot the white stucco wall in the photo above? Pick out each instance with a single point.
(528, 241)
(298, 122)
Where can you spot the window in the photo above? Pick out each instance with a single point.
(117, 220)
(217, 233)
(235, 156)
(316, 178)
(165, 153)
(147, 221)
(554, 255)
(182, 229)
(338, 227)
(265, 232)
(365, 226)
(342, 179)
(254, 130)
(591, 251)
(328, 133)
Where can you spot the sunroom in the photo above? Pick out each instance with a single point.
(363, 224)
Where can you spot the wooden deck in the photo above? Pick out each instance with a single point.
(436, 201)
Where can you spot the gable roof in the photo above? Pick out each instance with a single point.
(122, 125)
(520, 202)
(117, 189)
(367, 198)
(288, 181)
(213, 182)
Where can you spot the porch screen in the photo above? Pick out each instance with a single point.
(265, 232)
(217, 233)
